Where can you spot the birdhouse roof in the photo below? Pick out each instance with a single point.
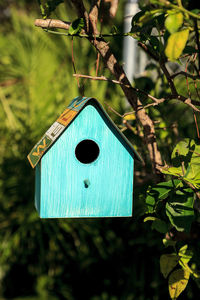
(64, 120)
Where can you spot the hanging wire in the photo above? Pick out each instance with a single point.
(80, 87)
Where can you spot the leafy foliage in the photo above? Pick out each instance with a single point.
(176, 43)
(99, 259)
(175, 200)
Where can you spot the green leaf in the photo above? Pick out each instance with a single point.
(172, 171)
(193, 173)
(136, 18)
(150, 202)
(182, 148)
(149, 219)
(168, 243)
(196, 11)
(176, 43)
(173, 22)
(76, 26)
(49, 7)
(159, 192)
(167, 263)
(151, 66)
(185, 254)
(114, 29)
(178, 281)
(156, 44)
(160, 226)
(187, 154)
(180, 210)
(189, 50)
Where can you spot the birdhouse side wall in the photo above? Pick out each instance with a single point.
(38, 187)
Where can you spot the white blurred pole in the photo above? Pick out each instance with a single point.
(134, 59)
(130, 51)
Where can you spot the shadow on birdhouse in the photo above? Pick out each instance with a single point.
(84, 165)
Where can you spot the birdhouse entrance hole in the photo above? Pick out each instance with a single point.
(87, 151)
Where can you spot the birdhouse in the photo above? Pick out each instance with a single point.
(84, 165)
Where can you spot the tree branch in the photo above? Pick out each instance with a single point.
(52, 23)
(93, 15)
(131, 94)
(113, 7)
(169, 79)
(157, 101)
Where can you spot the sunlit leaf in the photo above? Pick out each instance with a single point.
(185, 254)
(180, 210)
(129, 117)
(176, 43)
(149, 219)
(168, 263)
(182, 148)
(178, 281)
(174, 21)
(172, 171)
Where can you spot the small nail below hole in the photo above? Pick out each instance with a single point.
(86, 183)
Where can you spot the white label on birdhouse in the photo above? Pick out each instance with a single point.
(55, 130)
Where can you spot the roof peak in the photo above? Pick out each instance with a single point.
(59, 126)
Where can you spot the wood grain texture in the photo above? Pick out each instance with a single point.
(63, 192)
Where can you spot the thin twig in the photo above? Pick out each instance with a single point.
(103, 78)
(128, 126)
(185, 74)
(170, 81)
(157, 101)
(53, 23)
(73, 63)
(196, 124)
(147, 50)
(9, 82)
(113, 110)
(186, 78)
(118, 114)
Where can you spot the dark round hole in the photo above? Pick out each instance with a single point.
(87, 151)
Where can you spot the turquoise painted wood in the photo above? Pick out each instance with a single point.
(65, 187)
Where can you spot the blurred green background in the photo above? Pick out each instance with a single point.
(94, 259)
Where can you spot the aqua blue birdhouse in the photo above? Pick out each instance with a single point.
(84, 165)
